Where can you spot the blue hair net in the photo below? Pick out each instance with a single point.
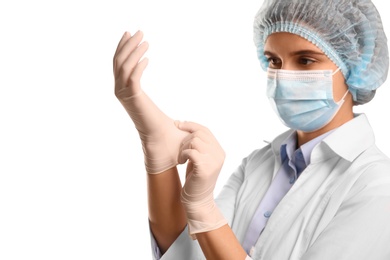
(349, 32)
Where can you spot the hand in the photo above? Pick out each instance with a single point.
(205, 159)
(159, 135)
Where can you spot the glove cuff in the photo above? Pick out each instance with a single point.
(203, 217)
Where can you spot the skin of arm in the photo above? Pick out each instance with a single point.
(221, 244)
(166, 213)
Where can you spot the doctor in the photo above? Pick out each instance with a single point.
(320, 190)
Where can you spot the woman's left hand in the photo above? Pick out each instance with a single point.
(205, 159)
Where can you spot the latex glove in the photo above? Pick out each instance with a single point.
(205, 159)
(160, 137)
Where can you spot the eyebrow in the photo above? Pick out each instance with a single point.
(300, 52)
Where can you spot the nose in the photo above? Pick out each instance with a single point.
(286, 65)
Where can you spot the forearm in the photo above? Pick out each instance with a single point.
(166, 213)
(221, 243)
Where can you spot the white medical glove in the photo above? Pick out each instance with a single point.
(205, 159)
(159, 135)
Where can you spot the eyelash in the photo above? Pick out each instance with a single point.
(301, 61)
(306, 60)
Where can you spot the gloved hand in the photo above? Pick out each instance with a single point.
(159, 135)
(205, 159)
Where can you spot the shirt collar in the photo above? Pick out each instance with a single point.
(289, 147)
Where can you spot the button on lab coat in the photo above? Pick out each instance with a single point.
(339, 207)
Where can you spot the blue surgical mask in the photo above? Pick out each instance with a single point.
(303, 99)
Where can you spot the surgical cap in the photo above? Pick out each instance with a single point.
(349, 32)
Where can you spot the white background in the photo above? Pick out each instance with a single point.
(72, 182)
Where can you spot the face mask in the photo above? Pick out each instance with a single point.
(303, 99)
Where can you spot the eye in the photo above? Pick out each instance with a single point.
(306, 61)
(274, 62)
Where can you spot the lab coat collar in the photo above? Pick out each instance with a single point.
(352, 138)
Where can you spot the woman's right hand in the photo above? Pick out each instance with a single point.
(160, 137)
(128, 66)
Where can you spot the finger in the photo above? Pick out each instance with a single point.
(191, 126)
(189, 169)
(193, 155)
(205, 136)
(132, 60)
(125, 37)
(139, 70)
(126, 50)
(193, 143)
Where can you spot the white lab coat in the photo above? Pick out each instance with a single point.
(339, 208)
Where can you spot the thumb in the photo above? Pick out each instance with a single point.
(189, 126)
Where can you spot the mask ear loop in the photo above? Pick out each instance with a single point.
(343, 98)
(336, 71)
(341, 101)
(276, 77)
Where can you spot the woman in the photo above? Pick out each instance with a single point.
(318, 191)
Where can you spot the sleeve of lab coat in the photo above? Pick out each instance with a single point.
(360, 229)
(183, 248)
